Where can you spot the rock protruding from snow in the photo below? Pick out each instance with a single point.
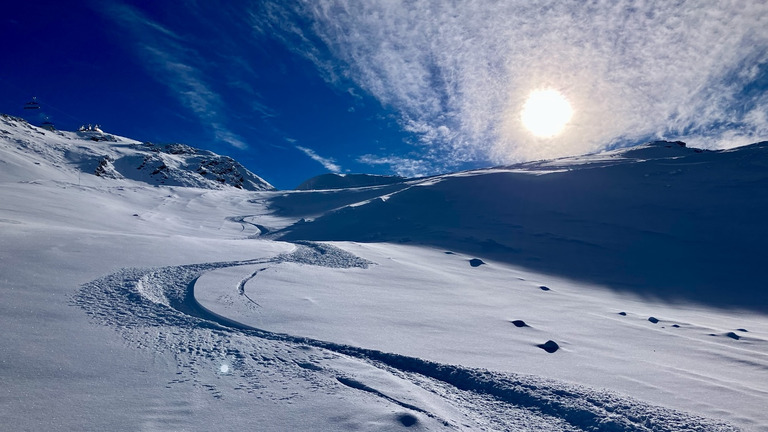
(476, 262)
(549, 346)
(106, 168)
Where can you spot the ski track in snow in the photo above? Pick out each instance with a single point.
(155, 309)
(245, 221)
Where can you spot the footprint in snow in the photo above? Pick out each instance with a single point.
(476, 262)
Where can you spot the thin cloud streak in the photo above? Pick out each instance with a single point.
(164, 53)
(328, 163)
(459, 72)
(401, 166)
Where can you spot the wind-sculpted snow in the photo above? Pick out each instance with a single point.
(155, 309)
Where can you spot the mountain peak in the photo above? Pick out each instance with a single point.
(92, 151)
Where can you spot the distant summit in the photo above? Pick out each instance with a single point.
(668, 144)
(32, 152)
(343, 181)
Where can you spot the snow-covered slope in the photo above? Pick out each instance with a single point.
(128, 304)
(32, 151)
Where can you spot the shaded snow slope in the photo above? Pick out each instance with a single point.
(659, 220)
(30, 153)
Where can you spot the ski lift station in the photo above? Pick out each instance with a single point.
(32, 105)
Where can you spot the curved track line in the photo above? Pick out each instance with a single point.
(129, 298)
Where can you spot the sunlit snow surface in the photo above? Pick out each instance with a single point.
(191, 313)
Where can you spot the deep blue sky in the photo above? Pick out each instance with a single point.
(412, 87)
(85, 68)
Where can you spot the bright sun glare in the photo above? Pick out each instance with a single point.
(546, 112)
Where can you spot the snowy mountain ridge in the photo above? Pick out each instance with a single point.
(651, 219)
(112, 157)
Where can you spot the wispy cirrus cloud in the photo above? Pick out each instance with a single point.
(401, 166)
(328, 163)
(459, 72)
(172, 62)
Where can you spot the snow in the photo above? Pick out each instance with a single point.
(115, 157)
(427, 304)
(128, 304)
(681, 225)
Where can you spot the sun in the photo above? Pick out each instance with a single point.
(546, 112)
